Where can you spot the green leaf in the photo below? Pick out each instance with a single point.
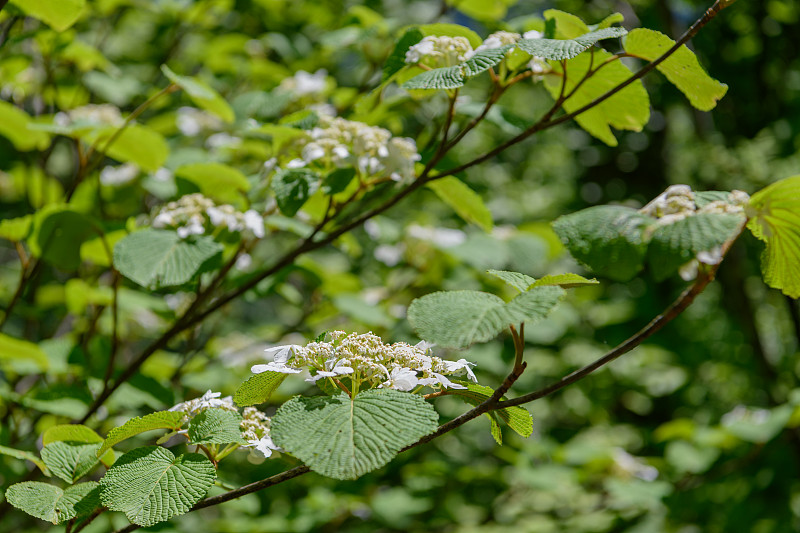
(76, 433)
(483, 10)
(674, 244)
(159, 258)
(518, 418)
(519, 281)
(397, 59)
(568, 26)
(465, 202)
(151, 485)
(219, 182)
(58, 14)
(14, 126)
(438, 78)
(681, 68)
(25, 456)
(16, 229)
(21, 350)
(338, 180)
(565, 281)
(557, 49)
(774, 214)
(50, 503)
(343, 438)
(629, 109)
(57, 236)
(258, 389)
(293, 187)
(609, 20)
(136, 144)
(201, 94)
(484, 60)
(451, 30)
(216, 426)
(172, 420)
(611, 240)
(70, 460)
(456, 319)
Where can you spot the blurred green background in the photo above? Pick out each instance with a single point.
(696, 431)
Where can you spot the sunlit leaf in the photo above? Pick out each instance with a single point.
(465, 202)
(58, 14)
(171, 420)
(201, 94)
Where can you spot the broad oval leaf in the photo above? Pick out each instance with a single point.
(679, 242)
(217, 181)
(611, 240)
(518, 280)
(397, 59)
(557, 49)
(216, 426)
(201, 94)
(258, 389)
(70, 460)
(76, 433)
(629, 109)
(774, 214)
(465, 202)
(484, 60)
(456, 319)
(151, 485)
(51, 503)
(565, 281)
(518, 418)
(172, 420)
(136, 144)
(343, 438)
(681, 68)
(159, 258)
(14, 126)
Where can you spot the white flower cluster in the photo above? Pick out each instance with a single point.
(678, 202)
(255, 430)
(92, 114)
(206, 401)
(115, 176)
(255, 425)
(366, 359)
(304, 83)
(440, 51)
(343, 143)
(193, 214)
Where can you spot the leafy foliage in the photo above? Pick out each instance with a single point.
(258, 388)
(154, 258)
(558, 49)
(201, 94)
(70, 460)
(216, 426)
(517, 418)
(171, 420)
(464, 201)
(293, 188)
(344, 438)
(457, 319)
(51, 503)
(151, 485)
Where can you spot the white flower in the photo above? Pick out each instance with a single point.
(417, 52)
(446, 383)
(441, 237)
(281, 354)
(193, 228)
(254, 222)
(402, 379)
(206, 401)
(532, 34)
(440, 51)
(221, 140)
(243, 262)
(304, 83)
(634, 466)
(162, 174)
(498, 39)
(339, 369)
(163, 219)
(460, 367)
(113, 176)
(312, 152)
(296, 163)
(274, 367)
(264, 445)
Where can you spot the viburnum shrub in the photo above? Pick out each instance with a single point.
(314, 171)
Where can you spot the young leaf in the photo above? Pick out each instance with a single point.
(26, 456)
(76, 433)
(136, 144)
(151, 485)
(293, 187)
(258, 388)
(565, 281)
(438, 78)
(611, 240)
(558, 49)
(16, 229)
(465, 202)
(682, 68)
(14, 127)
(343, 438)
(628, 109)
(568, 26)
(483, 10)
(172, 420)
(675, 244)
(519, 281)
(155, 258)
(58, 14)
(774, 214)
(456, 319)
(70, 460)
(216, 426)
(518, 418)
(201, 94)
(50, 503)
(219, 182)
